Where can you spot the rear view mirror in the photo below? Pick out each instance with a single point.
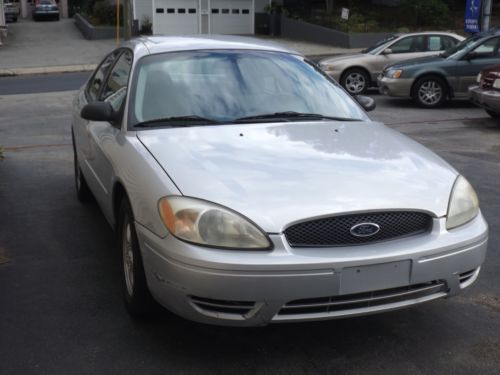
(99, 111)
(366, 102)
(387, 51)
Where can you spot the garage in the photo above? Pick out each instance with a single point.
(175, 17)
(185, 17)
(231, 17)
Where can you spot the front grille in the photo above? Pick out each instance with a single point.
(336, 230)
(337, 304)
(216, 306)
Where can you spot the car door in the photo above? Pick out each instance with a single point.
(89, 94)
(103, 135)
(479, 58)
(406, 48)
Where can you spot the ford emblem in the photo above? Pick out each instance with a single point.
(365, 229)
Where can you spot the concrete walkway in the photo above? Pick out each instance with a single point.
(58, 46)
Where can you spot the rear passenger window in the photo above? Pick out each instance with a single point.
(448, 42)
(434, 43)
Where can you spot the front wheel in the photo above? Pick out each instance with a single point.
(137, 298)
(430, 92)
(355, 81)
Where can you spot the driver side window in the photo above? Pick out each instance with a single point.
(488, 49)
(409, 44)
(96, 82)
(115, 89)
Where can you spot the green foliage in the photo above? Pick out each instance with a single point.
(104, 13)
(146, 26)
(426, 12)
(273, 7)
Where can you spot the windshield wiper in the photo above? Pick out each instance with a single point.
(293, 115)
(176, 121)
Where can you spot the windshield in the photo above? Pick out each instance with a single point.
(225, 86)
(375, 48)
(460, 46)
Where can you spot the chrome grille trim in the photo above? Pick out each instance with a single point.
(336, 230)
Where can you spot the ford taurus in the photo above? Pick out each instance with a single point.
(246, 187)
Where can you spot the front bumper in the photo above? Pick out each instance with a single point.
(395, 86)
(252, 288)
(487, 99)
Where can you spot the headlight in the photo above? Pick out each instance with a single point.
(478, 79)
(200, 222)
(464, 204)
(394, 73)
(325, 66)
(496, 84)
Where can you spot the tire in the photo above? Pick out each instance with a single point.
(494, 115)
(83, 192)
(137, 298)
(430, 92)
(355, 81)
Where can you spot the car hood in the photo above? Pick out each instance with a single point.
(277, 174)
(334, 59)
(417, 62)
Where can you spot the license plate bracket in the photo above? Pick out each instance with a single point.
(375, 277)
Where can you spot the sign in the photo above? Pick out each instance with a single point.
(345, 14)
(472, 16)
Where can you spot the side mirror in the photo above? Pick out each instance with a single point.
(387, 51)
(99, 111)
(366, 102)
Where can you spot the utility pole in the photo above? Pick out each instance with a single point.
(127, 19)
(486, 15)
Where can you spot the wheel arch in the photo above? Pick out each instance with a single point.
(440, 75)
(119, 193)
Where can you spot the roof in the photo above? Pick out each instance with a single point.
(162, 44)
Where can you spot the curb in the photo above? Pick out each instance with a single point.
(12, 72)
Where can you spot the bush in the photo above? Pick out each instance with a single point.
(146, 26)
(104, 13)
(426, 12)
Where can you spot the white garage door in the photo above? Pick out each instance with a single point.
(175, 17)
(231, 17)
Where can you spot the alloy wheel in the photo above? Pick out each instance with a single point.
(430, 93)
(355, 83)
(128, 258)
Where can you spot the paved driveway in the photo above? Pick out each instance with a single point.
(50, 43)
(60, 44)
(60, 303)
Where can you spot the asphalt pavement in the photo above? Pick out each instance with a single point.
(60, 299)
(30, 84)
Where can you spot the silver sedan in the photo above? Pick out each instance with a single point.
(247, 188)
(356, 73)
